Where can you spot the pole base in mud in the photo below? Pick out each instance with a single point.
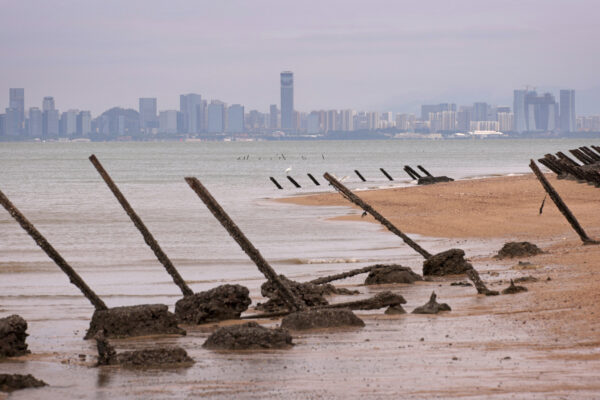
(129, 321)
(325, 318)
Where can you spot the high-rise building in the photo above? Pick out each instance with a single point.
(167, 121)
(48, 104)
(520, 119)
(426, 109)
(332, 121)
(480, 112)
(313, 125)
(347, 120)
(148, 115)
(505, 121)
(235, 119)
(273, 117)
(36, 124)
(68, 123)
(50, 121)
(190, 106)
(84, 123)
(568, 119)
(216, 116)
(287, 101)
(17, 103)
(541, 112)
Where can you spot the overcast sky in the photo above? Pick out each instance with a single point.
(372, 55)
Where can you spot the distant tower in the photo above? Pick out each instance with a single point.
(287, 101)
(148, 114)
(520, 119)
(190, 107)
(17, 104)
(567, 111)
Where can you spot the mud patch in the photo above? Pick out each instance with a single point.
(218, 304)
(432, 306)
(461, 283)
(248, 336)
(311, 294)
(429, 180)
(449, 262)
(518, 249)
(145, 319)
(12, 382)
(160, 357)
(512, 289)
(12, 336)
(324, 318)
(391, 274)
(527, 278)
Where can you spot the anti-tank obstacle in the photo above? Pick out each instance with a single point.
(116, 322)
(220, 303)
(560, 204)
(448, 262)
(296, 307)
(235, 232)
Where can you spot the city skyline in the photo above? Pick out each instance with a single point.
(387, 56)
(531, 113)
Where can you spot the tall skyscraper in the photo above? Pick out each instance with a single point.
(84, 123)
(216, 116)
(148, 115)
(68, 123)
(287, 101)
(35, 122)
(48, 104)
(235, 119)
(273, 117)
(190, 107)
(480, 112)
(519, 117)
(168, 121)
(17, 103)
(568, 118)
(50, 116)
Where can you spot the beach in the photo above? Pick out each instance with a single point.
(543, 343)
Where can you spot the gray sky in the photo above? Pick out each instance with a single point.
(371, 55)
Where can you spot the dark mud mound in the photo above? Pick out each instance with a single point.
(518, 249)
(12, 336)
(160, 357)
(323, 318)
(527, 278)
(380, 300)
(449, 262)
(218, 304)
(393, 310)
(461, 283)
(247, 337)
(310, 293)
(12, 382)
(430, 180)
(432, 306)
(391, 274)
(512, 289)
(145, 319)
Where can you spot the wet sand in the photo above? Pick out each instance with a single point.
(544, 343)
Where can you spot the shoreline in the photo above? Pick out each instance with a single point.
(493, 207)
(484, 211)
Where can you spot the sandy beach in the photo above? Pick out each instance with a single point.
(559, 312)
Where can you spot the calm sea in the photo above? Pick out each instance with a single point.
(58, 190)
